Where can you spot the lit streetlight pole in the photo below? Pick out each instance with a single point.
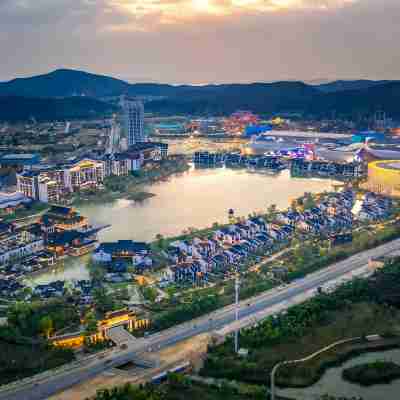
(237, 285)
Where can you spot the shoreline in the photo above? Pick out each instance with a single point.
(133, 187)
(355, 350)
(196, 232)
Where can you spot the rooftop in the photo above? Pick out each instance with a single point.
(22, 156)
(123, 246)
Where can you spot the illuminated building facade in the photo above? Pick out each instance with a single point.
(239, 120)
(125, 318)
(384, 177)
(85, 173)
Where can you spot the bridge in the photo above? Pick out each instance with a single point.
(120, 336)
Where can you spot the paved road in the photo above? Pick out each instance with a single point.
(55, 381)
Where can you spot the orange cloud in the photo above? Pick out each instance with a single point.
(144, 14)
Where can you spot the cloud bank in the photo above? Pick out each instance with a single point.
(201, 41)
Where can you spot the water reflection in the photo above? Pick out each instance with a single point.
(333, 384)
(196, 198)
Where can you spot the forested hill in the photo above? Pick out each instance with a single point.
(13, 108)
(68, 93)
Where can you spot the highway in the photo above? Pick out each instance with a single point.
(49, 383)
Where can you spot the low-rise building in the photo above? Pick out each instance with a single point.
(65, 218)
(130, 320)
(122, 164)
(28, 184)
(13, 200)
(137, 252)
(19, 161)
(17, 246)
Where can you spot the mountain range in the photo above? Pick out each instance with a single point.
(69, 93)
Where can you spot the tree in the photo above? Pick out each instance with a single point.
(160, 241)
(149, 293)
(103, 301)
(272, 209)
(19, 315)
(46, 326)
(91, 324)
(96, 271)
(308, 201)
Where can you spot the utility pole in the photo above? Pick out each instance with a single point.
(237, 285)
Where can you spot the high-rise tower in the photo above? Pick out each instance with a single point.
(134, 121)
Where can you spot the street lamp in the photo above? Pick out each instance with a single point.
(237, 286)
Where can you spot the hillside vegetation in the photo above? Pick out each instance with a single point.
(71, 94)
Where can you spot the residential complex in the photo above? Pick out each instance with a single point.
(48, 185)
(52, 184)
(199, 260)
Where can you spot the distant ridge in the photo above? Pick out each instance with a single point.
(341, 85)
(13, 108)
(64, 83)
(345, 98)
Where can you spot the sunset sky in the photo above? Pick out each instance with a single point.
(202, 41)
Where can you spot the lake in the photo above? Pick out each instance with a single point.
(196, 198)
(333, 384)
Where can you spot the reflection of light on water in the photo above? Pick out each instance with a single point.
(196, 198)
(70, 268)
(123, 203)
(357, 207)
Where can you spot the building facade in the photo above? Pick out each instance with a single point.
(122, 164)
(86, 173)
(51, 185)
(28, 184)
(48, 190)
(134, 121)
(384, 177)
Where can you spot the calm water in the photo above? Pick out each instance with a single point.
(333, 384)
(196, 198)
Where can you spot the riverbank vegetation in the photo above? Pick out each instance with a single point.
(357, 309)
(372, 373)
(132, 187)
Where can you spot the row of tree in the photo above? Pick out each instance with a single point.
(299, 320)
